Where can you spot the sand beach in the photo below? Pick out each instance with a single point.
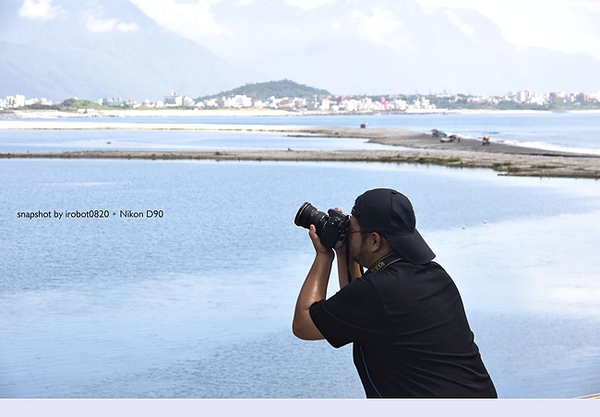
(413, 147)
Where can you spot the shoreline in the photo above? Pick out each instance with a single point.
(523, 165)
(10, 114)
(413, 147)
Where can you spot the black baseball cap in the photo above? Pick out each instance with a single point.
(391, 214)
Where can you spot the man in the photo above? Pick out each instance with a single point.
(404, 315)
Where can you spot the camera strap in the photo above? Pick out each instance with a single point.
(384, 262)
(348, 264)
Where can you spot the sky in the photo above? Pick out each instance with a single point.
(562, 25)
(305, 40)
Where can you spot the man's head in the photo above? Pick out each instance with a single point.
(391, 215)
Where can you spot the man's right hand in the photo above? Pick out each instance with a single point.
(316, 240)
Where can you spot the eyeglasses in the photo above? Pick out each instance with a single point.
(364, 232)
(349, 230)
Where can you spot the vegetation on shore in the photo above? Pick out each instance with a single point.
(277, 89)
(505, 164)
(69, 105)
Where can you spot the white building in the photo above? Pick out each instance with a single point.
(237, 102)
(173, 100)
(15, 101)
(325, 104)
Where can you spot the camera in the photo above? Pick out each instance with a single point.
(331, 227)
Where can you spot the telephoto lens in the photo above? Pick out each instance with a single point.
(307, 215)
(331, 228)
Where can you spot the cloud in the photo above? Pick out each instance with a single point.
(308, 4)
(191, 19)
(460, 23)
(99, 25)
(589, 5)
(379, 26)
(561, 25)
(39, 10)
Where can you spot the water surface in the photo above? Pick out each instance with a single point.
(198, 303)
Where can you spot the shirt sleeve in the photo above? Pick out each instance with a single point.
(355, 313)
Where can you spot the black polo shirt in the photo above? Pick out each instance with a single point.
(410, 333)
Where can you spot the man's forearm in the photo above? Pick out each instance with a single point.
(314, 289)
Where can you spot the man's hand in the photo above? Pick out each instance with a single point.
(319, 247)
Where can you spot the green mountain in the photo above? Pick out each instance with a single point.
(277, 89)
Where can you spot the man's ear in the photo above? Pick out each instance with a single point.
(375, 241)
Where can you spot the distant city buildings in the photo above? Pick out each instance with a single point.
(19, 100)
(342, 104)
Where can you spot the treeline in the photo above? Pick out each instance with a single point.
(70, 104)
(277, 89)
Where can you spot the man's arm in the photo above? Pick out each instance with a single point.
(314, 289)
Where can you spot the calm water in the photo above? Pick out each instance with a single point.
(198, 303)
(575, 131)
(68, 140)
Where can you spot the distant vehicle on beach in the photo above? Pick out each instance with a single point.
(444, 137)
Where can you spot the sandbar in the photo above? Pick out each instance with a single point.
(413, 147)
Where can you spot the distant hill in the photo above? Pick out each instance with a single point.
(277, 89)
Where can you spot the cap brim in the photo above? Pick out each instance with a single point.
(411, 247)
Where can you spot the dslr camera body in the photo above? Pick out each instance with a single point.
(332, 227)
